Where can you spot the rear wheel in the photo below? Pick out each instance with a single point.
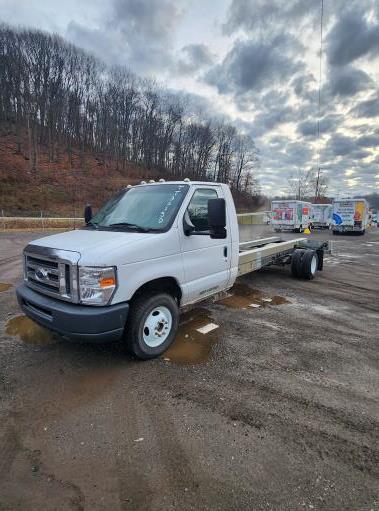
(152, 325)
(309, 265)
(305, 263)
(296, 262)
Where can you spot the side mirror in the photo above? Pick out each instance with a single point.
(87, 213)
(217, 218)
(188, 226)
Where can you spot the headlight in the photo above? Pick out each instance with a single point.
(96, 285)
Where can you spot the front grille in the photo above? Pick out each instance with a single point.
(50, 276)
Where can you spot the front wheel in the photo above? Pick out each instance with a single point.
(152, 325)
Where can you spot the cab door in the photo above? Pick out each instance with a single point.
(206, 261)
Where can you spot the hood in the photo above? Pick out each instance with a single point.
(107, 247)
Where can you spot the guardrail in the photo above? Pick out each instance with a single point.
(39, 222)
(256, 218)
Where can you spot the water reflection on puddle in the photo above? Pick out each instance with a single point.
(4, 287)
(28, 331)
(243, 297)
(191, 346)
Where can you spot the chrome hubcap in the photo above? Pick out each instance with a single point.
(313, 265)
(157, 326)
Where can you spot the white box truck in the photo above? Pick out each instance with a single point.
(321, 216)
(150, 251)
(290, 215)
(350, 215)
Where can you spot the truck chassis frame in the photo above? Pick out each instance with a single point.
(257, 254)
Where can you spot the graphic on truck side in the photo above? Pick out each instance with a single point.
(344, 212)
(299, 212)
(360, 211)
(283, 211)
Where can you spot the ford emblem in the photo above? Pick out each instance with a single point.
(41, 274)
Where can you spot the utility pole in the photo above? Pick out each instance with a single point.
(317, 191)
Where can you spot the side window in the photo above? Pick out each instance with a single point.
(198, 208)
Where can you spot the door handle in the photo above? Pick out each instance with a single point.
(225, 251)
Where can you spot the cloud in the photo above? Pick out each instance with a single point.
(194, 57)
(352, 37)
(252, 15)
(254, 65)
(368, 108)
(341, 145)
(152, 20)
(371, 141)
(347, 81)
(328, 124)
(135, 33)
(304, 86)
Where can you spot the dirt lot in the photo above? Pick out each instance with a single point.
(277, 409)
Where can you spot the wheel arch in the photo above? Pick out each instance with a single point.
(163, 285)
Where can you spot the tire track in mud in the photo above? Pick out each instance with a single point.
(11, 259)
(167, 474)
(133, 486)
(290, 428)
(12, 452)
(9, 446)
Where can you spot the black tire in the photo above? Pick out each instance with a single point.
(335, 233)
(320, 254)
(139, 312)
(296, 262)
(308, 265)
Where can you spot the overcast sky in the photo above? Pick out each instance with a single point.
(256, 63)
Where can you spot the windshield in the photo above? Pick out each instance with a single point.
(144, 208)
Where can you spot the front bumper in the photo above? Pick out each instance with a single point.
(80, 322)
(348, 228)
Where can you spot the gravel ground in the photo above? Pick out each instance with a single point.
(278, 411)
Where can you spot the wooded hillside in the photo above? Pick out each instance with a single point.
(64, 110)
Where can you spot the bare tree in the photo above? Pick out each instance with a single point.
(300, 183)
(246, 157)
(320, 185)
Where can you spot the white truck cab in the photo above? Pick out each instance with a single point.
(152, 249)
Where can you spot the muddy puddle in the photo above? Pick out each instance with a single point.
(4, 287)
(191, 346)
(28, 331)
(244, 297)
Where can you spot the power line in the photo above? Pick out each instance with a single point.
(319, 104)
